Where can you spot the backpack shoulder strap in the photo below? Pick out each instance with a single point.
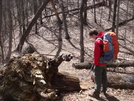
(101, 46)
(100, 39)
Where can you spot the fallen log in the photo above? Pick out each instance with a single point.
(65, 82)
(88, 65)
(119, 81)
(121, 23)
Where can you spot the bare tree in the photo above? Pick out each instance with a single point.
(85, 13)
(59, 40)
(114, 16)
(117, 21)
(81, 32)
(22, 15)
(40, 3)
(35, 10)
(110, 8)
(1, 44)
(95, 20)
(26, 33)
(64, 21)
(10, 30)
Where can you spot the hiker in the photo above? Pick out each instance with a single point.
(100, 72)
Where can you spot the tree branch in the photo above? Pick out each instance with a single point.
(76, 9)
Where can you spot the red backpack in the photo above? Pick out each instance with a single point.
(110, 47)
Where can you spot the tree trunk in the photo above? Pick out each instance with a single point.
(19, 16)
(85, 13)
(26, 33)
(110, 10)
(26, 14)
(64, 21)
(81, 32)
(22, 15)
(117, 21)
(10, 30)
(59, 40)
(35, 10)
(40, 3)
(95, 20)
(114, 16)
(133, 28)
(1, 44)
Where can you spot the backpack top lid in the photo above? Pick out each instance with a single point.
(107, 42)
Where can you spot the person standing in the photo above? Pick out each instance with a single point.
(100, 72)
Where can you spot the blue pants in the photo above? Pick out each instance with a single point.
(100, 78)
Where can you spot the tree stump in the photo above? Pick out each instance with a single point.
(34, 77)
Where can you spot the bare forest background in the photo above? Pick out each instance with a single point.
(53, 27)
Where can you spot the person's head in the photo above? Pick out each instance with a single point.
(93, 33)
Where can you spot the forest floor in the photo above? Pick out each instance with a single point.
(87, 86)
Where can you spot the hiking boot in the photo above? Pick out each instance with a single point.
(95, 95)
(104, 92)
